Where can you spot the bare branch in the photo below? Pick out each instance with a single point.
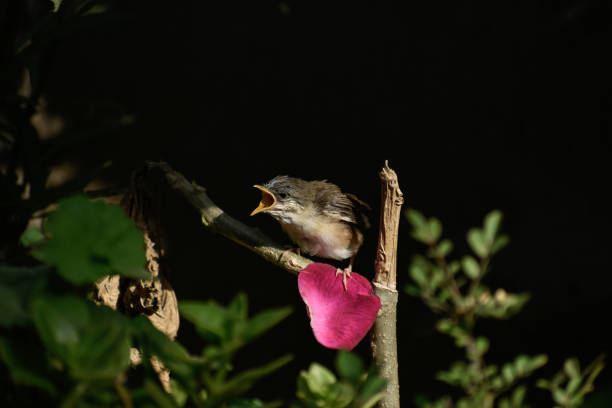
(384, 335)
(215, 219)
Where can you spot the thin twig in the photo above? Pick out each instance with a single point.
(384, 335)
(215, 219)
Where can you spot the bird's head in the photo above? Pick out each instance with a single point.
(282, 197)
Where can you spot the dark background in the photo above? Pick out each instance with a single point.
(477, 105)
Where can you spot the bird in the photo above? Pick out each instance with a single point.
(317, 216)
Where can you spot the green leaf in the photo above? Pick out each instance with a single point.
(263, 321)
(426, 231)
(476, 240)
(492, 222)
(416, 219)
(56, 4)
(244, 380)
(371, 392)
(239, 307)
(470, 267)
(518, 396)
(12, 308)
(420, 270)
(445, 325)
(482, 345)
(161, 398)
(508, 373)
(208, 318)
(499, 243)
(573, 384)
(90, 239)
(31, 236)
(349, 366)
(445, 247)
(435, 228)
(18, 285)
(179, 394)
(152, 342)
(373, 385)
(412, 290)
(559, 396)
(318, 379)
(572, 367)
(25, 364)
(93, 341)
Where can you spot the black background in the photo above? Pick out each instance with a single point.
(477, 105)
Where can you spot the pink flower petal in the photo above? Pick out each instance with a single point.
(339, 318)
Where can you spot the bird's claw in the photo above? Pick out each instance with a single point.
(345, 273)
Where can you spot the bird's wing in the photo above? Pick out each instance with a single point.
(331, 202)
(361, 208)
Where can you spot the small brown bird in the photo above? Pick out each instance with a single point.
(321, 219)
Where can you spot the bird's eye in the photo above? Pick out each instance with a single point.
(283, 196)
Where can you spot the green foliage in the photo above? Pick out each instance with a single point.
(89, 240)
(455, 289)
(320, 388)
(77, 353)
(569, 386)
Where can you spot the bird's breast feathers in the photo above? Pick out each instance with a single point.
(320, 238)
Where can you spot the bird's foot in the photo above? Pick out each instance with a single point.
(346, 273)
(290, 249)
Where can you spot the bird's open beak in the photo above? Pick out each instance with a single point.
(267, 200)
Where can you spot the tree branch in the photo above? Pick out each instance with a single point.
(384, 339)
(215, 219)
(384, 335)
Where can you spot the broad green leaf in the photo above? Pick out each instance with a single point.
(60, 321)
(476, 240)
(93, 341)
(349, 365)
(470, 267)
(18, 285)
(90, 239)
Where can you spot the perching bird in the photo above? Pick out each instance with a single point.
(321, 219)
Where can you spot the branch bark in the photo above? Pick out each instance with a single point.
(215, 219)
(384, 335)
(384, 339)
